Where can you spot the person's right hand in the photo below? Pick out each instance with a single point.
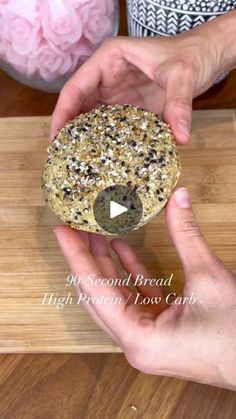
(187, 339)
(159, 74)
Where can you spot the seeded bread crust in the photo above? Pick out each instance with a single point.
(115, 144)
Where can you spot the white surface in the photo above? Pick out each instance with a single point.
(116, 209)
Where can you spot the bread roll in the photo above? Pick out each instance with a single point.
(111, 145)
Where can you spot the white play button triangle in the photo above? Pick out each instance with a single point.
(116, 209)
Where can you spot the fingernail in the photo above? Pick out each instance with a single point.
(184, 127)
(55, 232)
(182, 198)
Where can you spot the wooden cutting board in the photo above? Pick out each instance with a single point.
(32, 265)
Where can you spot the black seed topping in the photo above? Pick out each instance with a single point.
(85, 165)
(67, 191)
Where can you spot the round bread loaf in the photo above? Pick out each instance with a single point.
(111, 145)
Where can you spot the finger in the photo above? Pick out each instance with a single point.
(128, 259)
(178, 103)
(108, 301)
(83, 83)
(99, 245)
(90, 309)
(88, 306)
(100, 249)
(139, 272)
(114, 56)
(195, 253)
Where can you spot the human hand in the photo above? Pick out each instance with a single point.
(193, 341)
(160, 74)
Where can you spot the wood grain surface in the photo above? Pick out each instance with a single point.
(31, 267)
(104, 386)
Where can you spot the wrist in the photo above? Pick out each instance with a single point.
(225, 38)
(226, 362)
(218, 39)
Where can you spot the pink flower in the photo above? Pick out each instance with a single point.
(51, 62)
(61, 24)
(2, 42)
(97, 23)
(19, 26)
(3, 48)
(18, 61)
(2, 5)
(106, 7)
(52, 38)
(81, 52)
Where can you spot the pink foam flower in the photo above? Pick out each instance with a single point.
(81, 52)
(52, 62)
(60, 22)
(19, 26)
(52, 38)
(96, 19)
(106, 7)
(17, 60)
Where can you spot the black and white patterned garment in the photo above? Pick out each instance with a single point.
(170, 17)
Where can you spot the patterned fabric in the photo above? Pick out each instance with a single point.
(169, 17)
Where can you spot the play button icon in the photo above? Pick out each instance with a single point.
(118, 209)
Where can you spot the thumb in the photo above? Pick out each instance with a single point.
(194, 252)
(178, 105)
